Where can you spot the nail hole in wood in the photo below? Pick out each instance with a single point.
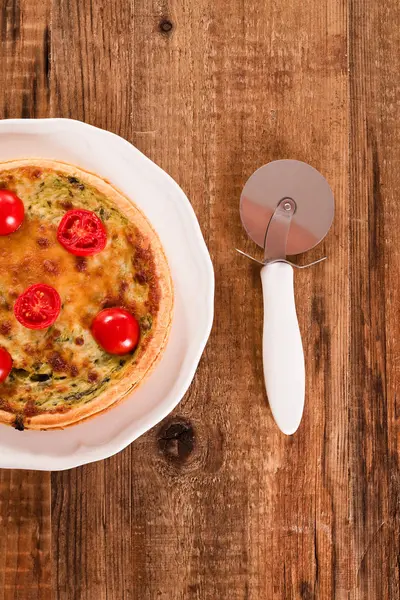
(165, 26)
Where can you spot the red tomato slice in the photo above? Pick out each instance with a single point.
(116, 330)
(5, 364)
(11, 212)
(38, 307)
(82, 233)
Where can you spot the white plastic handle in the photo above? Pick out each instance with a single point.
(283, 355)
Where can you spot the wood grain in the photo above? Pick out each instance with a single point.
(25, 541)
(375, 260)
(25, 507)
(215, 502)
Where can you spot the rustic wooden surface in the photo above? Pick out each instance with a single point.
(214, 503)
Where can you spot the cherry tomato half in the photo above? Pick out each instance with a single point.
(116, 330)
(82, 233)
(11, 212)
(38, 307)
(5, 364)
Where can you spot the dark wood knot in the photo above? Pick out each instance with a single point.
(306, 591)
(176, 440)
(165, 26)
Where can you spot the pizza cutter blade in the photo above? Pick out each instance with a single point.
(286, 207)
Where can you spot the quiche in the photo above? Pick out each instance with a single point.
(62, 372)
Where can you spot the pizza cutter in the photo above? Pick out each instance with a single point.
(286, 207)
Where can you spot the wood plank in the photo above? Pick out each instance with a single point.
(281, 91)
(25, 58)
(375, 290)
(25, 543)
(92, 80)
(216, 503)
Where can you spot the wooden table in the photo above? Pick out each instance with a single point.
(215, 503)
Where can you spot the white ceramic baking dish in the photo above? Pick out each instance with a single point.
(172, 216)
